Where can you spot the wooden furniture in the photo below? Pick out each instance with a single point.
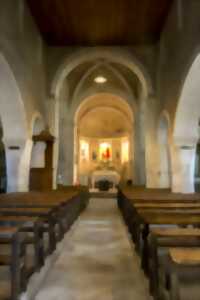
(164, 238)
(35, 216)
(16, 260)
(41, 179)
(182, 262)
(159, 208)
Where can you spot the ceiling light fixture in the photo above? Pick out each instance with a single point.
(100, 79)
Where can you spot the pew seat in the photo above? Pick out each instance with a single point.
(176, 232)
(159, 221)
(185, 256)
(42, 219)
(16, 260)
(180, 278)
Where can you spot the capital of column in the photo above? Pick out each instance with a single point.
(17, 143)
(185, 142)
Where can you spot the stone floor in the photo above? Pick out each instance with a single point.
(97, 262)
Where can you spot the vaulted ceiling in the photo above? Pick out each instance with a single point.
(104, 122)
(104, 116)
(100, 22)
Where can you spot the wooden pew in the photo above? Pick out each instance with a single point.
(40, 212)
(45, 215)
(56, 206)
(164, 208)
(141, 229)
(16, 261)
(166, 238)
(134, 210)
(182, 262)
(156, 194)
(33, 226)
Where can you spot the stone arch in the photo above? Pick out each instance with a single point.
(115, 56)
(86, 106)
(164, 151)
(188, 108)
(104, 55)
(185, 130)
(15, 128)
(115, 72)
(12, 109)
(89, 99)
(81, 101)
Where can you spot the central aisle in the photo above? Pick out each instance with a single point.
(97, 262)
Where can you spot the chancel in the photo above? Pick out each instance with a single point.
(104, 141)
(99, 150)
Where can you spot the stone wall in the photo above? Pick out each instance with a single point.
(23, 49)
(179, 45)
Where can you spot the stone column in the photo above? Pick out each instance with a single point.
(76, 154)
(139, 147)
(183, 166)
(151, 144)
(68, 147)
(164, 174)
(18, 157)
(53, 115)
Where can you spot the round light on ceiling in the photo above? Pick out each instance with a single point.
(100, 79)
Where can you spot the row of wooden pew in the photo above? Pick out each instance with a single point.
(31, 225)
(165, 229)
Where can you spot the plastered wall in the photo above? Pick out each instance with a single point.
(23, 49)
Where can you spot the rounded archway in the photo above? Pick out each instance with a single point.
(76, 80)
(186, 124)
(103, 139)
(186, 131)
(15, 129)
(101, 54)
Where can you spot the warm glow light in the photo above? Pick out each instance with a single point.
(125, 151)
(84, 150)
(100, 79)
(105, 151)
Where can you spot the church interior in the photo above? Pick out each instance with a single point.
(100, 150)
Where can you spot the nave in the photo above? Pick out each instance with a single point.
(99, 98)
(97, 261)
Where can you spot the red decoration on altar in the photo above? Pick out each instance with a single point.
(107, 153)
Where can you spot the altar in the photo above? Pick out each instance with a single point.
(109, 175)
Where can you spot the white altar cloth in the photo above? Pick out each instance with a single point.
(109, 175)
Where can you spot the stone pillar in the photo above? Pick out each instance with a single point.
(183, 166)
(18, 157)
(131, 156)
(139, 177)
(164, 174)
(76, 154)
(152, 165)
(151, 144)
(53, 107)
(68, 146)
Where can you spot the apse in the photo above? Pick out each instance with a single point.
(104, 141)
